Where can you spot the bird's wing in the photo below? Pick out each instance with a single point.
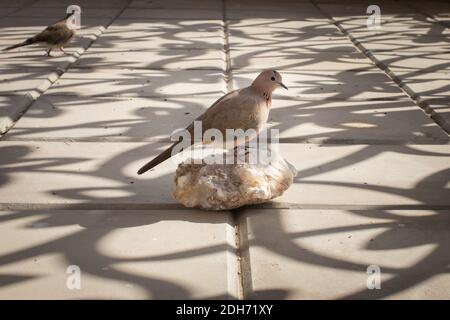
(234, 104)
(235, 113)
(55, 34)
(218, 104)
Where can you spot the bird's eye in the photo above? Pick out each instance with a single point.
(273, 78)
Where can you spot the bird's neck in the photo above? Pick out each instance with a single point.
(265, 94)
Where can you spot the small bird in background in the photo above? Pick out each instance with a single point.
(246, 108)
(55, 36)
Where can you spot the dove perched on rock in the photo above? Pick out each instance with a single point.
(246, 108)
(55, 36)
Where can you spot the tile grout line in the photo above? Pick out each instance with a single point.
(234, 271)
(35, 93)
(306, 141)
(245, 285)
(155, 96)
(422, 104)
(425, 105)
(226, 46)
(237, 267)
(5, 206)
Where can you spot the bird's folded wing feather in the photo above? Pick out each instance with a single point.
(218, 104)
(56, 33)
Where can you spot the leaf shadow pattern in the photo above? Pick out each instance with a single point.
(82, 246)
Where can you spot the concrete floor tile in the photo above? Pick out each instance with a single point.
(108, 118)
(83, 173)
(310, 47)
(330, 85)
(407, 43)
(177, 4)
(144, 28)
(235, 14)
(434, 85)
(272, 40)
(258, 58)
(103, 175)
(154, 119)
(325, 254)
(334, 175)
(376, 122)
(36, 24)
(59, 13)
(417, 29)
(439, 110)
(97, 4)
(170, 59)
(359, 9)
(257, 5)
(135, 82)
(415, 61)
(29, 81)
(162, 36)
(15, 4)
(7, 11)
(438, 10)
(412, 21)
(163, 14)
(312, 25)
(11, 108)
(120, 254)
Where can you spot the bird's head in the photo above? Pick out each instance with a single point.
(268, 80)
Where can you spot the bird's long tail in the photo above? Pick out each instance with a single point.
(166, 154)
(22, 44)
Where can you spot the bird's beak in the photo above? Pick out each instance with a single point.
(283, 85)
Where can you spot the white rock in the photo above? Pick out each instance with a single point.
(230, 184)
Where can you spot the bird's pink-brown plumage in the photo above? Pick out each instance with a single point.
(246, 108)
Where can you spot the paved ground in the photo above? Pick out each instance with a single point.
(364, 122)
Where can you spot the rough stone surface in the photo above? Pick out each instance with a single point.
(213, 186)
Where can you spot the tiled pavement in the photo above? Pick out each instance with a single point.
(373, 182)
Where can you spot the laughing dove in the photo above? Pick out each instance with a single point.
(55, 36)
(246, 108)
